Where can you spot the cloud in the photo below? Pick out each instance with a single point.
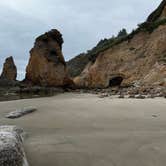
(82, 23)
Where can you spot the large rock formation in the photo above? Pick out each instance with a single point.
(138, 58)
(9, 71)
(47, 66)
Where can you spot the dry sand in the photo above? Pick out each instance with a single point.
(84, 130)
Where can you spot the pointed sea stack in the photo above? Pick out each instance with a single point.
(9, 71)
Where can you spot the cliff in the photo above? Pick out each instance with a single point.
(138, 58)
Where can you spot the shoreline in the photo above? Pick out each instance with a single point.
(17, 98)
(16, 93)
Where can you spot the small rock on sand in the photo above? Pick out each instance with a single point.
(20, 112)
(103, 95)
(140, 97)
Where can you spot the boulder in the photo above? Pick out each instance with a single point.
(47, 66)
(9, 71)
(11, 146)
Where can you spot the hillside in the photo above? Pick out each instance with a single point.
(138, 57)
(78, 63)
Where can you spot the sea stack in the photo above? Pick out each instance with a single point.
(9, 71)
(47, 66)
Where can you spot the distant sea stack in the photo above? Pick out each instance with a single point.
(9, 71)
(47, 66)
(138, 58)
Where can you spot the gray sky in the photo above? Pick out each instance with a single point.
(82, 22)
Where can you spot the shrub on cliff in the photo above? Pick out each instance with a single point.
(75, 66)
(122, 33)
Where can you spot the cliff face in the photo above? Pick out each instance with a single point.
(9, 71)
(47, 66)
(139, 58)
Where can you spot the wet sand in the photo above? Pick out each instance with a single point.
(85, 130)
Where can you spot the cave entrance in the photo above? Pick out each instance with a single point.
(115, 81)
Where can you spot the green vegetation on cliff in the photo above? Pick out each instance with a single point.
(157, 13)
(76, 65)
(108, 43)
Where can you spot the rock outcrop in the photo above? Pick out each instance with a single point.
(47, 66)
(139, 58)
(9, 71)
(11, 147)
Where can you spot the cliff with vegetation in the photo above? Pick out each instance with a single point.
(137, 58)
(77, 64)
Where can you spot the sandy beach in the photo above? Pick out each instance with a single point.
(85, 130)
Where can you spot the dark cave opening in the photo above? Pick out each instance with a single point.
(115, 81)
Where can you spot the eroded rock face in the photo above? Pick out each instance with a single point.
(47, 66)
(139, 59)
(9, 71)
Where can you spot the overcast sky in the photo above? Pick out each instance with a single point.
(82, 22)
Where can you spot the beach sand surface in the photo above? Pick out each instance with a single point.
(84, 130)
